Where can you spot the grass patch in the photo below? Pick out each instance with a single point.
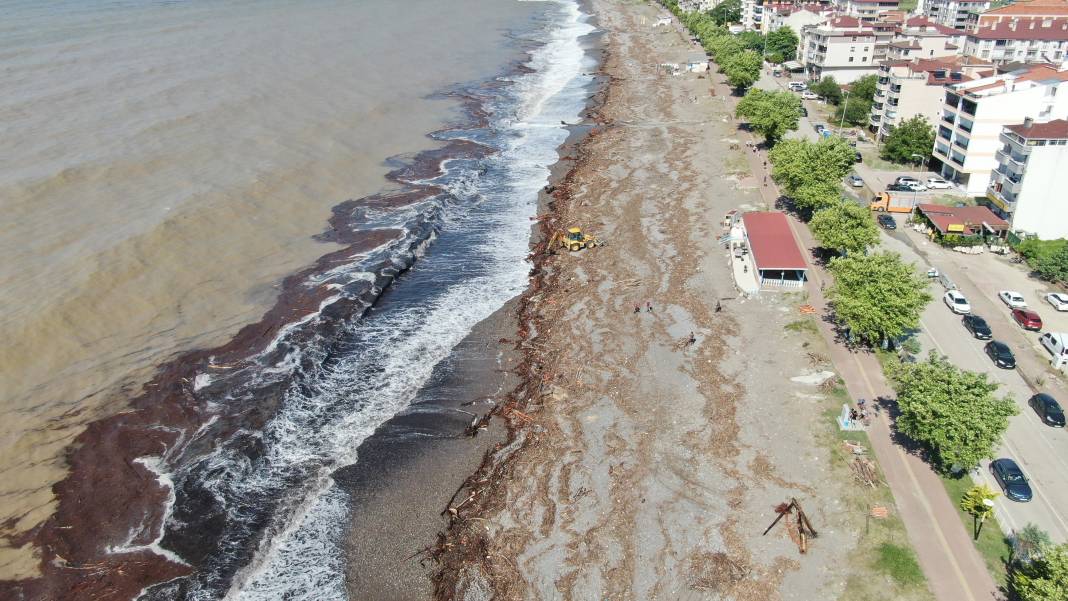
(949, 200)
(802, 325)
(736, 164)
(900, 564)
(907, 5)
(992, 544)
(873, 160)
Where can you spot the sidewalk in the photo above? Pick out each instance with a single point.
(950, 561)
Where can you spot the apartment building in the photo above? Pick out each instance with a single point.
(974, 112)
(954, 13)
(753, 15)
(1032, 9)
(795, 16)
(1029, 40)
(907, 88)
(1027, 186)
(920, 37)
(843, 48)
(866, 10)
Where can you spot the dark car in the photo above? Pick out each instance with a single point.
(897, 188)
(886, 221)
(1000, 354)
(1048, 409)
(804, 112)
(1028, 319)
(977, 326)
(1012, 480)
(857, 158)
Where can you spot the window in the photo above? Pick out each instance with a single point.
(864, 59)
(851, 59)
(866, 48)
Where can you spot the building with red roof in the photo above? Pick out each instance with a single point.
(963, 221)
(777, 257)
(1021, 9)
(1027, 186)
(907, 88)
(1025, 40)
(954, 14)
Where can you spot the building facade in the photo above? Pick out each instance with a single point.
(954, 13)
(867, 10)
(974, 112)
(906, 89)
(843, 48)
(1031, 9)
(1027, 186)
(1020, 40)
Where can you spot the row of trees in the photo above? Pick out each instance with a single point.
(1048, 258)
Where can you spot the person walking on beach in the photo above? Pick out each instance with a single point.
(637, 308)
(693, 339)
(648, 306)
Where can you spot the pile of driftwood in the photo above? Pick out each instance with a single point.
(864, 471)
(799, 531)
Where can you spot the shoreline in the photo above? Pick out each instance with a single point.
(110, 494)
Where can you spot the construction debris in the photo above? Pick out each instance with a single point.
(864, 471)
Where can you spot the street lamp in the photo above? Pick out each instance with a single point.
(988, 509)
(920, 160)
(845, 107)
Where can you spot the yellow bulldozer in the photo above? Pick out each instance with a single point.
(574, 239)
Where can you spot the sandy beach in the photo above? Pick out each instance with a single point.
(640, 466)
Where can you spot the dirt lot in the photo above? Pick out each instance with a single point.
(650, 467)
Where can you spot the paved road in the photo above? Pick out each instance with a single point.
(1041, 451)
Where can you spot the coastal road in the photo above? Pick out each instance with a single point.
(1041, 451)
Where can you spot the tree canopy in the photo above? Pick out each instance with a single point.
(828, 89)
(782, 43)
(752, 40)
(878, 296)
(1053, 266)
(742, 69)
(1044, 578)
(728, 11)
(914, 136)
(811, 172)
(845, 227)
(952, 412)
(855, 107)
(771, 114)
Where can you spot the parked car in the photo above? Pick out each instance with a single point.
(807, 95)
(1000, 354)
(957, 302)
(977, 326)
(858, 158)
(937, 183)
(1058, 300)
(855, 181)
(886, 221)
(1048, 410)
(804, 112)
(819, 127)
(1055, 342)
(1028, 319)
(915, 187)
(1011, 479)
(906, 179)
(797, 86)
(897, 188)
(1012, 298)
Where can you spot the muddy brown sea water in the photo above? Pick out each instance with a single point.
(166, 165)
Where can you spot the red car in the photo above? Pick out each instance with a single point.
(1028, 319)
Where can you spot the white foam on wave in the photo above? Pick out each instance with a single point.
(154, 465)
(302, 556)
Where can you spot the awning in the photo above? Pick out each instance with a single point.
(793, 66)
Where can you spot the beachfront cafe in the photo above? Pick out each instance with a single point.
(777, 259)
(974, 223)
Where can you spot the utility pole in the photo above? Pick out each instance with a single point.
(845, 107)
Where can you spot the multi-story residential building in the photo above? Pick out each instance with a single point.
(867, 10)
(1032, 9)
(974, 112)
(1027, 186)
(916, 87)
(753, 15)
(954, 13)
(1020, 40)
(843, 48)
(794, 16)
(920, 37)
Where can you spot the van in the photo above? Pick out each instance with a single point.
(1056, 343)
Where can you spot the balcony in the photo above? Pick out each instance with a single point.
(960, 141)
(895, 88)
(945, 133)
(965, 124)
(996, 193)
(957, 158)
(942, 151)
(875, 119)
(1014, 161)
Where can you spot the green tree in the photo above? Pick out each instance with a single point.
(723, 48)
(752, 40)
(952, 412)
(828, 89)
(845, 227)
(771, 114)
(728, 11)
(743, 69)
(913, 136)
(864, 88)
(1053, 266)
(1045, 578)
(878, 296)
(979, 502)
(853, 111)
(783, 43)
(811, 172)
(1028, 544)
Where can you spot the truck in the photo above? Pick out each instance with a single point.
(893, 203)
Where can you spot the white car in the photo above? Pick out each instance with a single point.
(1013, 299)
(809, 95)
(956, 302)
(937, 183)
(915, 187)
(797, 86)
(855, 181)
(1058, 300)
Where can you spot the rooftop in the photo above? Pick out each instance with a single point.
(968, 221)
(1052, 130)
(1022, 79)
(926, 24)
(1034, 7)
(1023, 29)
(771, 241)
